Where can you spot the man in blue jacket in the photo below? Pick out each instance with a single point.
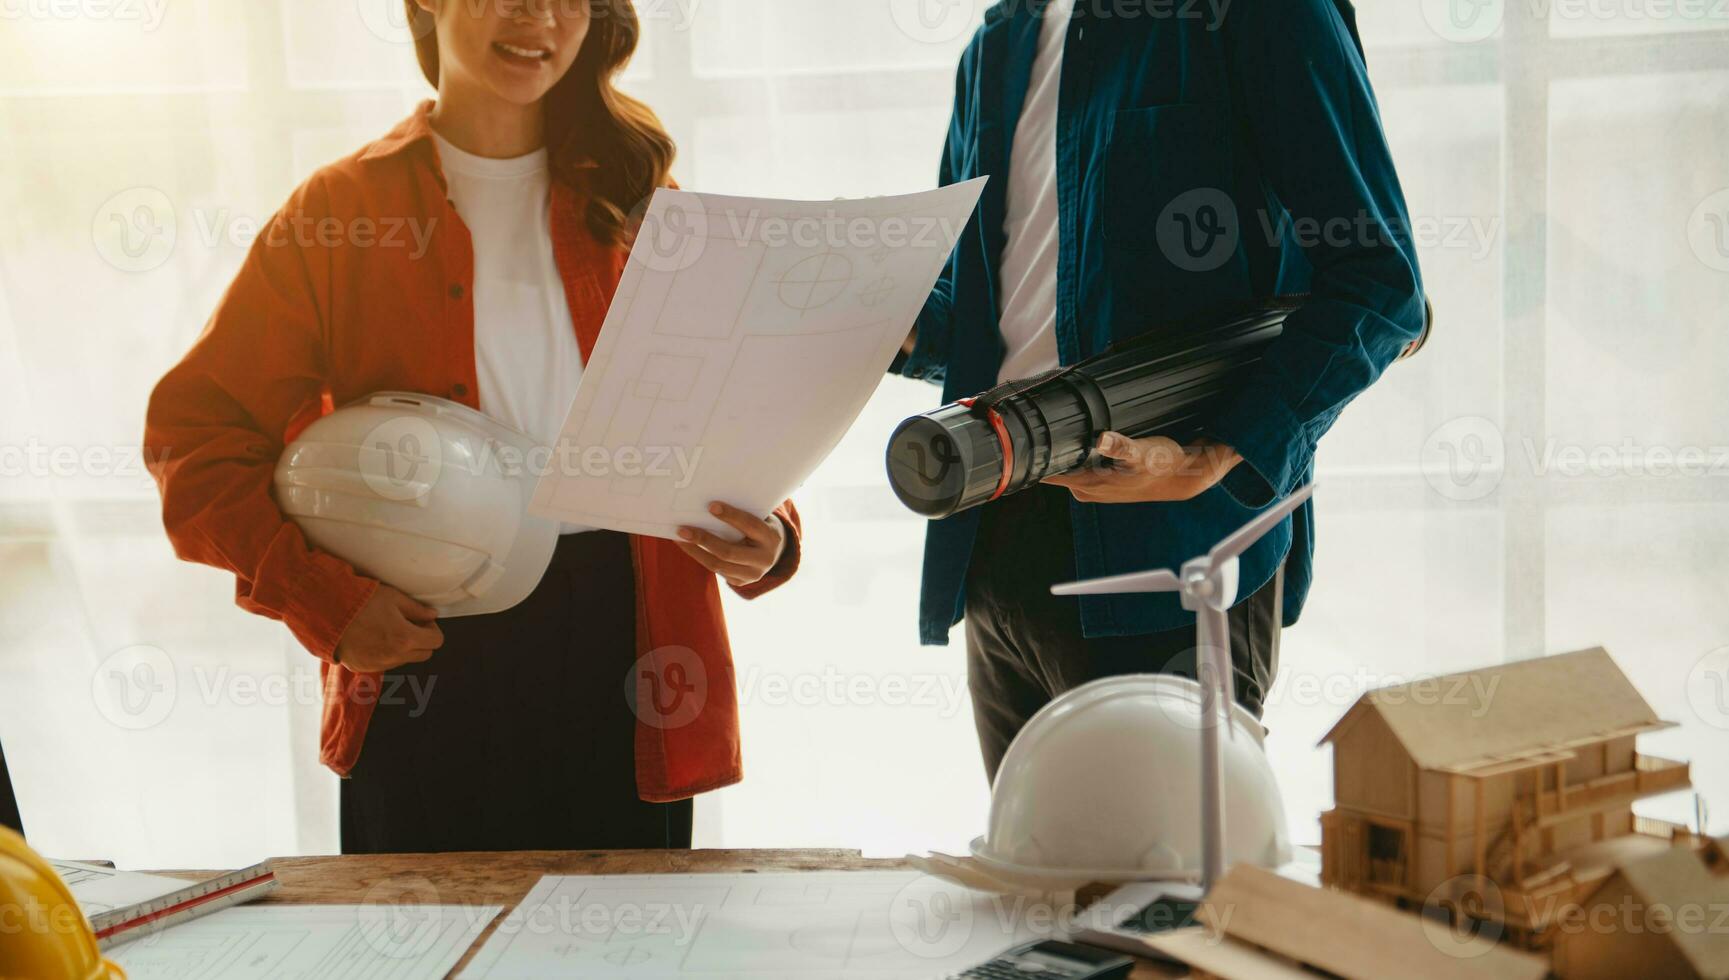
(1151, 162)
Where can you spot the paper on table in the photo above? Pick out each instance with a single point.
(98, 889)
(302, 942)
(838, 925)
(745, 338)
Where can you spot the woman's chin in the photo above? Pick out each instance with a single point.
(519, 91)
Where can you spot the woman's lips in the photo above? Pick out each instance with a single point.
(527, 56)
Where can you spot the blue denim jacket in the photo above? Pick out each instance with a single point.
(1208, 154)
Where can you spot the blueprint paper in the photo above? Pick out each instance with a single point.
(98, 889)
(745, 337)
(837, 925)
(310, 942)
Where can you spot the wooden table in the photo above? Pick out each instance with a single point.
(505, 878)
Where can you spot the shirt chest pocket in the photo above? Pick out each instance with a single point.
(1168, 176)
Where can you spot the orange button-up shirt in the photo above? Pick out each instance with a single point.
(363, 283)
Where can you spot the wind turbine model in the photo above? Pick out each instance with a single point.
(1208, 587)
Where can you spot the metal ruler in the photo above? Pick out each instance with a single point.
(202, 898)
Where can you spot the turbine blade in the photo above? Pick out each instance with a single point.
(1161, 580)
(1249, 533)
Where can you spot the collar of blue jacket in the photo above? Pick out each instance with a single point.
(1209, 153)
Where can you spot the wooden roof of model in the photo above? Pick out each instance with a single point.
(1509, 716)
(1684, 882)
(1270, 923)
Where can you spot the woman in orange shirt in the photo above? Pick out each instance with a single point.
(471, 253)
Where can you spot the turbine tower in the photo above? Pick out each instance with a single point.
(1207, 587)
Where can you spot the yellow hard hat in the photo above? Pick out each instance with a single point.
(43, 935)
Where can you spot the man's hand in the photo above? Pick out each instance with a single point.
(741, 563)
(1152, 469)
(389, 631)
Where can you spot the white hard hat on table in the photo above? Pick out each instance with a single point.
(1104, 784)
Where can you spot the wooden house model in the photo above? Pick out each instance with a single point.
(1471, 790)
(1659, 914)
(1256, 924)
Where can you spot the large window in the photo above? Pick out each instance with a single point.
(1550, 474)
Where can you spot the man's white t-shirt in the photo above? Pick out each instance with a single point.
(526, 357)
(1028, 315)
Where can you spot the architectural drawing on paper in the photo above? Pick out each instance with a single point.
(747, 351)
(837, 924)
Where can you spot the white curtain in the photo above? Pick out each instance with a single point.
(1549, 475)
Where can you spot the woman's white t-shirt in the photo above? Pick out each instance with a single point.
(526, 357)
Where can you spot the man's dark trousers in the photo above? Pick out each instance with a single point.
(1025, 647)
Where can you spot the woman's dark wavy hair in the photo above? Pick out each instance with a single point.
(589, 119)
